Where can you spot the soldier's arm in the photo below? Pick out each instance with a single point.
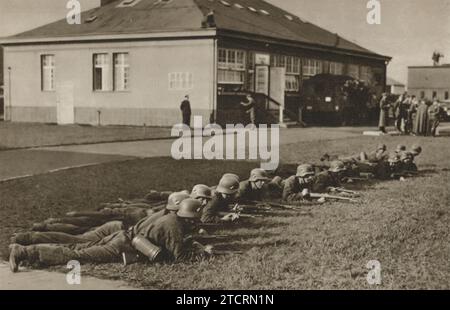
(210, 213)
(290, 192)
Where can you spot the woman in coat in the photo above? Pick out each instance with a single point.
(421, 122)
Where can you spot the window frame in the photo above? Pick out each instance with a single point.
(106, 77)
(52, 69)
(231, 66)
(126, 75)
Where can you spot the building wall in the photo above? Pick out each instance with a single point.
(428, 81)
(149, 100)
(396, 89)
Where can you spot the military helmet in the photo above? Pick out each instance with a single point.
(305, 170)
(201, 191)
(190, 208)
(381, 147)
(416, 149)
(337, 166)
(258, 175)
(400, 148)
(228, 185)
(175, 199)
(231, 175)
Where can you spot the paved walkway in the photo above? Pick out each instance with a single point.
(161, 148)
(22, 163)
(43, 280)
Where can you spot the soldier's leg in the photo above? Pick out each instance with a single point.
(64, 228)
(35, 237)
(103, 231)
(81, 221)
(108, 250)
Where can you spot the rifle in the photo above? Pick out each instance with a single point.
(326, 196)
(343, 190)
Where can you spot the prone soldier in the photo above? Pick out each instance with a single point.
(224, 195)
(169, 233)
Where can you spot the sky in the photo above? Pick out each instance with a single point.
(410, 30)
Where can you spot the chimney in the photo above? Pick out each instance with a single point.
(209, 21)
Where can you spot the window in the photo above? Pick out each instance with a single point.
(366, 74)
(434, 95)
(292, 66)
(181, 81)
(353, 71)
(446, 96)
(231, 65)
(48, 72)
(422, 94)
(336, 68)
(292, 82)
(121, 72)
(312, 67)
(101, 72)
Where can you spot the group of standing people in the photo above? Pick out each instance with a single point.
(411, 115)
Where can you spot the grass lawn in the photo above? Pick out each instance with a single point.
(20, 135)
(404, 225)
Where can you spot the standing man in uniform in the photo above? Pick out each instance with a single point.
(250, 108)
(186, 112)
(384, 108)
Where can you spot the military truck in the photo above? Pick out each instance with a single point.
(336, 100)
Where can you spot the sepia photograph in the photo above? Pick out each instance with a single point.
(245, 147)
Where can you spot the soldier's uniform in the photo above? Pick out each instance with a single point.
(168, 232)
(223, 196)
(97, 234)
(100, 232)
(331, 178)
(296, 184)
(81, 222)
(211, 212)
(256, 188)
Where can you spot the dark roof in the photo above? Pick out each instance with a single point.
(149, 16)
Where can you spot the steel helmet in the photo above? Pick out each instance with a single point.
(258, 175)
(400, 148)
(228, 185)
(337, 166)
(201, 191)
(175, 199)
(231, 175)
(190, 208)
(305, 170)
(416, 149)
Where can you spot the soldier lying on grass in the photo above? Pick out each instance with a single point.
(170, 233)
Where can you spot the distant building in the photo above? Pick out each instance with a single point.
(429, 81)
(131, 62)
(394, 87)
